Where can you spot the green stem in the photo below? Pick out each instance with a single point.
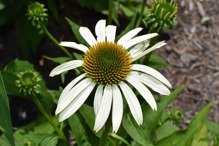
(50, 120)
(141, 13)
(110, 9)
(105, 134)
(56, 42)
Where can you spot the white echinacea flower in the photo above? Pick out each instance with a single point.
(109, 68)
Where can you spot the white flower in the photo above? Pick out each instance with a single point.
(109, 69)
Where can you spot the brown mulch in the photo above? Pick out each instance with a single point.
(193, 55)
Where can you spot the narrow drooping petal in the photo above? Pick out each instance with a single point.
(138, 51)
(70, 86)
(77, 102)
(98, 98)
(65, 67)
(74, 45)
(72, 94)
(110, 33)
(133, 102)
(100, 30)
(104, 109)
(152, 72)
(136, 48)
(139, 39)
(145, 93)
(152, 82)
(129, 35)
(87, 35)
(156, 46)
(117, 109)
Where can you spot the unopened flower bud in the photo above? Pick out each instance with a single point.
(161, 15)
(28, 82)
(176, 114)
(37, 14)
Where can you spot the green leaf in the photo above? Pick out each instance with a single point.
(157, 61)
(83, 135)
(130, 8)
(16, 66)
(2, 6)
(135, 131)
(23, 138)
(9, 80)
(186, 137)
(201, 139)
(5, 122)
(75, 30)
(42, 139)
(28, 37)
(4, 141)
(151, 118)
(88, 113)
(58, 60)
(166, 129)
(43, 127)
(127, 11)
(214, 130)
(119, 138)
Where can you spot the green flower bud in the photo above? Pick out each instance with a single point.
(176, 114)
(161, 15)
(37, 14)
(28, 82)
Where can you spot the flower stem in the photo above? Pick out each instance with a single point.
(56, 42)
(105, 134)
(110, 9)
(141, 13)
(50, 120)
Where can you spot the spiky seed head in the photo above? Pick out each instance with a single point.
(107, 63)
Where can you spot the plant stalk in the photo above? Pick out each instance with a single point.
(50, 120)
(56, 42)
(110, 9)
(141, 13)
(105, 134)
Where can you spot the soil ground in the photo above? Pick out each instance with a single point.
(193, 55)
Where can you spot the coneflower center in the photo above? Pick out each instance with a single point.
(107, 63)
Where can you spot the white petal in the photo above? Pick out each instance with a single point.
(72, 94)
(139, 39)
(133, 102)
(152, 72)
(136, 48)
(136, 51)
(71, 85)
(129, 35)
(87, 35)
(156, 46)
(152, 82)
(145, 93)
(105, 108)
(100, 30)
(74, 45)
(65, 67)
(98, 98)
(76, 103)
(110, 33)
(117, 110)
